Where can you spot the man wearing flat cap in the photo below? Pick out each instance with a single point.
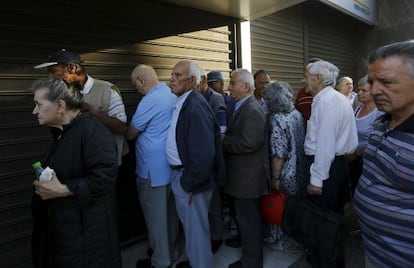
(102, 99)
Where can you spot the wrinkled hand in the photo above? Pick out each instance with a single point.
(51, 189)
(314, 190)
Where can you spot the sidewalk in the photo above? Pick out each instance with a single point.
(354, 256)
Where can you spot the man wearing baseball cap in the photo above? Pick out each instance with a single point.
(216, 82)
(101, 98)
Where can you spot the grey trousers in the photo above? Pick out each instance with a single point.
(193, 213)
(154, 205)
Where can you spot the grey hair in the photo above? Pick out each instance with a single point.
(58, 89)
(363, 80)
(278, 97)
(403, 49)
(328, 72)
(343, 78)
(202, 75)
(194, 70)
(245, 76)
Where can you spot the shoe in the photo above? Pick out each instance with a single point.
(236, 264)
(233, 230)
(309, 259)
(233, 242)
(150, 252)
(215, 245)
(183, 264)
(144, 263)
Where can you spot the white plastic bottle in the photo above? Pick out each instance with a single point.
(42, 174)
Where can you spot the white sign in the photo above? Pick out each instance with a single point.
(365, 10)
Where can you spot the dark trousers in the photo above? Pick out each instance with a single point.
(250, 230)
(40, 235)
(355, 171)
(215, 215)
(335, 191)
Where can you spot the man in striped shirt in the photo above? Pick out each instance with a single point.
(384, 198)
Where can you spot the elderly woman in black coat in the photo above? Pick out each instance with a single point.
(73, 213)
(286, 139)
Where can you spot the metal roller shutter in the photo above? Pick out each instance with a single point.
(277, 45)
(112, 39)
(332, 37)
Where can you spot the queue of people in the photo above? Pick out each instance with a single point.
(196, 149)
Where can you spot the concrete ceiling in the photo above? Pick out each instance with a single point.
(241, 9)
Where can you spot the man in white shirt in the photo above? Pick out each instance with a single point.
(331, 134)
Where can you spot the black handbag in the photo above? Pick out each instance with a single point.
(318, 229)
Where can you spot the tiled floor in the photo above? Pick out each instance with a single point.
(272, 258)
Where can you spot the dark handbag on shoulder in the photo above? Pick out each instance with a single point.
(318, 229)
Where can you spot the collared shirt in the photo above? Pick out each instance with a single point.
(384, 197)
(116, 106)
(263, 105)
(172, 150)
(331, 132)
(152, 119)
(239, 103)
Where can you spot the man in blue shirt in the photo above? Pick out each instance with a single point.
(150, 125)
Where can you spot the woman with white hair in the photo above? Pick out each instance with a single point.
(287, 137)
(365, 116)
(345, 85)
(74, 214)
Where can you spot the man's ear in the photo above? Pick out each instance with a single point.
(61, 106)
(247, 86)
(318, 79)
(141, 80)
(193, 81)
(71, 67)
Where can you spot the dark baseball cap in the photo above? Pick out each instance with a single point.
(60, 56)
(214, 76)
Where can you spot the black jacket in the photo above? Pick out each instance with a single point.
(81, 228)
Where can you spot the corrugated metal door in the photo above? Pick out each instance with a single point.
(112, 39)
(332, 37)
(277, 45)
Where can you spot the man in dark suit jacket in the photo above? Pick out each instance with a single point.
(192, 145)
(247, 162)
